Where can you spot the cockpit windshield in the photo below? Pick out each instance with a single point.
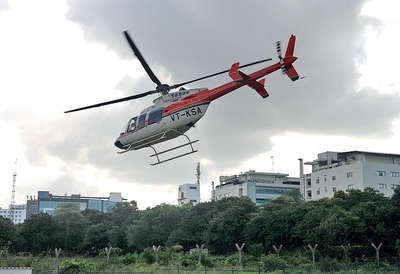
(123, 129)
(129, 126)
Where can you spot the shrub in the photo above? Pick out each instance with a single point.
(271, 260)
(148, 256)
(74, 266)
(255, 250)
(130, 258)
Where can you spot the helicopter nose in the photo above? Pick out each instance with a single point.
(119, 144)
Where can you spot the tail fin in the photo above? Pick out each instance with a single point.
(290, 71)
(290, 47)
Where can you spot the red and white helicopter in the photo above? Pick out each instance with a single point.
(174, 113)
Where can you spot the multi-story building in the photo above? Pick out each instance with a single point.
(189, 193)
(257, 185)
(47, 202)
(334, 171)
(17, 213)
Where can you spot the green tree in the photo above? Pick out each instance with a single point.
(154, 226)
(72, 223)
(7, 232)
(38, 234)
(226, 228)
(274, 224)
(96, 238)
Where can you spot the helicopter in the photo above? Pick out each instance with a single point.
(175, 112)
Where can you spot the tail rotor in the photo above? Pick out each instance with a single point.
(281, 61)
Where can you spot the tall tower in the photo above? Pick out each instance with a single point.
(13, 192)
(198, 173)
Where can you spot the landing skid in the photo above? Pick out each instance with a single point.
(171, 149)
(158, 139)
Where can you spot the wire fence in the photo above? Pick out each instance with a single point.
(359, 268)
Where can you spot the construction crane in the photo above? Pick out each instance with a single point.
(13, 193)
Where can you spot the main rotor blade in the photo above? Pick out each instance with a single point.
(218, 73)
(114, 101)
(146, 67)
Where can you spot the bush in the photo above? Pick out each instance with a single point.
(130, 259)
(271, 260)
(148, 256)
(75, 266)
(255, 250)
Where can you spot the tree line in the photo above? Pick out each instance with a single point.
(352, 220)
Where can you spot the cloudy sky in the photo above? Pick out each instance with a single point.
(61, 55)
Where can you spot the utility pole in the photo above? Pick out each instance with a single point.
(12, 216)
(198, 173)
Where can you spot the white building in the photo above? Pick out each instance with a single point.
(256, 185)
(189, 193)
(17, 215)
(334, 171)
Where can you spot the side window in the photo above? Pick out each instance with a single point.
(142, 120)
(155, 116)
(132, 124)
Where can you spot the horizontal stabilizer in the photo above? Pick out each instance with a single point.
(237, 75)
(259, 87)
(292, 73)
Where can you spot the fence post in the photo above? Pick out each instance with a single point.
(377, 253)
(108, 253)
(156, 249)
(277, 250)
(57, 254)
(200, 250)
(240, 253)
(313, 253)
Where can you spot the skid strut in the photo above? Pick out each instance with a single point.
(171, 149)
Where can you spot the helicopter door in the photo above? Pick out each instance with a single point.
(154, 125)
(142, 129)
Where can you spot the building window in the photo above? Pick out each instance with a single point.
(382, 186)
(193, 187)
(334, 190)
(349, 174)
(350, 186)
(318, 191)
(381, 173)
(317, 181)
(394, 174)
(326, 190)
(395, 186)
(333, 178)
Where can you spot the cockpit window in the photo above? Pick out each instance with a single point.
(142, 120)
(132, 124)
(155, 116)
